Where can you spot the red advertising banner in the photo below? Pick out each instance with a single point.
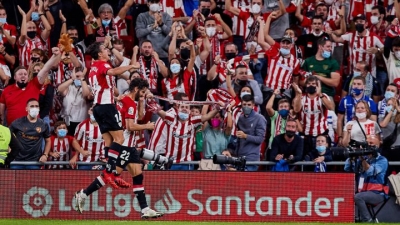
(191, 196)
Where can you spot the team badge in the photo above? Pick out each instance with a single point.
(38, 129)
(130, 111)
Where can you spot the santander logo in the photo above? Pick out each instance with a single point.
(168, 204)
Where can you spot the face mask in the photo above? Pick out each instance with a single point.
(360, 28)
(389, 95)
(35, 74)
(317, 35)
(388, 108)
(21, 85)
(328, 2)
(34, 112)
(31, 34)
(284, 51)
(247, 110)
(311, 89)
(215, 122)
(3, 20)
(326, 54)
(255, 8)
(35, 59)
(105, 22)
(374, 19)
(230, 55)
(357, 91)
(283, 112)
(62, 132)
(92, 118)
(185, 54)
(205, 12)
(155, 7)
(75, 40)
(242, 82)
(290, 133)
(397, 54)
(183, 116)
(356, 73)
(210, 31)
(361, 115)
(175, 68)
(147, 57)
(244, 93)
(321, 149)
(35, 16)
(77, 82)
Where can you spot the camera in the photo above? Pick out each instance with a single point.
(239, 163)
(342, 153)
(160, 162)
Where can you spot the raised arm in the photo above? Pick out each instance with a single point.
(47, 28)
(297, 99)
(64, 23)
(260, 39)
(122, 12)
(44, 72)
(298, 14)
(230, 8)
(268, 37)
(190, 65)
(22, 37)
(172, 46)
(227, 31)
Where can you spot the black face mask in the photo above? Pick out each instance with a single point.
(360, 28)
(242, 82)
(35, 59)
(31, 34)
(75, 40)
(230, 55)
(311, 89)
(35, 74)
(185, 54)
(21, 85)
(290, 133)
(205, 12)
(147, 57)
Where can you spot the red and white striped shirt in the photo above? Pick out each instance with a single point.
(102, 84)
(90, 139)
(239, 26)
(158, 137)
(149, 74)
(25, 50)
(63, 146)
(171, 86)
(115, 28)
(11, 30)
(181, 137)
(64, 73)
(221, 68)
(358, 47)
(313, 115)
(128, 109)
(280, 69)
(174, 8)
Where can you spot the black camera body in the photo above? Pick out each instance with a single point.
(352, 151)
(239, 163)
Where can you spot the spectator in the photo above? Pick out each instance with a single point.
(287, 148)
(122, 83)
(30, 132)
(75, 92)
(9, 31)
(321, 154)
(10, 147)
(199, 16)
(279, 25)
(14, 95)
(392, 91)
(155, 27)
(251, 132)
(332, 127)
(7, 57)
(392, 58)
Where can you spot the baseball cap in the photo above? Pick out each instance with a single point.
(287, 38)
(359, 17)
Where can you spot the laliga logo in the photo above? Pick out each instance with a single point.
(38, 194)
(168, 204)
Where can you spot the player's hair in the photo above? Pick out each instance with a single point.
(139, 83)
(94, 50)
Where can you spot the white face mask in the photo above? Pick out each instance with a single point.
(397, 54)
(34, 112)
(154, 7)
(328, 2)
(211, 31)
(255, 8)
(317, 35)
(361, 115)
(374, 20)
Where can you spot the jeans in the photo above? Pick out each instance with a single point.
(363, 198)
(181, 167)
(24, 167)
(382, 79)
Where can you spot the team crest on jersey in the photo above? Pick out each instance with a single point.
(107, 66)
(130, 111)
(311, 66)
(38, 129)
(325, 67)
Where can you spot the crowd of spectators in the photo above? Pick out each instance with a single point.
(293, 78)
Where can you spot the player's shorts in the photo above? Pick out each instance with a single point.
(128, 155)
(108, 117)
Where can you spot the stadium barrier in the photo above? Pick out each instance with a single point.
(187, 196)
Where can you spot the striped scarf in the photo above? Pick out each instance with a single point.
(320, 167)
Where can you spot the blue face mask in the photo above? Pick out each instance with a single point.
(183, 116)
(326, 54)
(247, 110)
(283, 112)
(77, 82)
(357, 91)
(35, 16)
(105, 22)
(356, 73)
(3, 20)
(92, 118)
(389, 95)
(321, 149)
(284, 51)
(175, 68)
(244, 93)
(388, 108)
(62, 132)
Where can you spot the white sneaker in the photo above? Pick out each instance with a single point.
(80, 201)
(149, 213)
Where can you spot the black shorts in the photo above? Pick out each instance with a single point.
(108, 118)
(128, 155)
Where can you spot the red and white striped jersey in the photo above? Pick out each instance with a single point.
(174, 8)
(313, 115)
(115, 28)
(102, 84)
(236, 113)
(90, 139)
(181, 137)
(64, 73)
(150, 74)
(358, 47)
(128, 109)
(280, 69)
(361, 7)
(25, 50)
(171, 86)
(11, 30)
(217, 48)
(64, 147)
(158, 137)
(239, 26)
(221, 68)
